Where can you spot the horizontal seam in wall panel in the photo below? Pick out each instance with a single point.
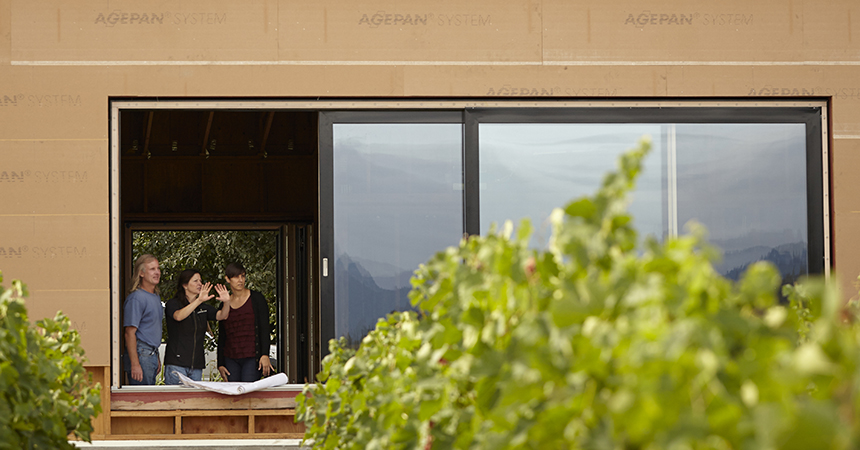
(435, 63)
(54, 215)
(846, 136)
(276, 63)
(69, 290)
(60, 139)
(702, 63)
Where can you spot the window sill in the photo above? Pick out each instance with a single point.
(166, 398)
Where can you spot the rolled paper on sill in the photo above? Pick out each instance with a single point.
(235, 388)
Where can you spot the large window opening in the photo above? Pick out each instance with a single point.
(355, 194)
(200, 188)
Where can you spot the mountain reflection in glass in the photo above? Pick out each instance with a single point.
(397, 200)
(745, 182)
(526, 170)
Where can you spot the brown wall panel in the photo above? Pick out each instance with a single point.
(847, 238)
(54, 176)
(211, 30)
(845, 156)
(246, 81)
(56, 252)
(412, 30)
(836, 82)
(524, 81)
(777, 82)
(712, 30)
(52, 103)
(87, 309)
(5, 31)
(704, 81)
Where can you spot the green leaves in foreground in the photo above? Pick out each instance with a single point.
(597, 343)
(46, 392)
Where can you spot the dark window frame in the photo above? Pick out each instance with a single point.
(472, 117)
(814, 112)
(327, 120)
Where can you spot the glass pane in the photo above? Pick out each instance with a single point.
(747, 184)
(526, 170)
(397, 200)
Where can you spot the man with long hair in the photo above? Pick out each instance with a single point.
(142, 321)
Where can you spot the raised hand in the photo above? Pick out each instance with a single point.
(224, 297)
(223, 293)
(204, 293)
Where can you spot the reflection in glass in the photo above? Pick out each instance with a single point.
(745, 182)
(397, 200)
(527, 169)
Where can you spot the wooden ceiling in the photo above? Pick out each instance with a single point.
(215, 166)
(153, 133)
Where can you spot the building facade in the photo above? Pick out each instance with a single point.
(369, 134)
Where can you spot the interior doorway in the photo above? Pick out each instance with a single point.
(227, 178)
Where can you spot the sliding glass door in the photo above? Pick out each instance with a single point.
(395, 181)
(397, 186)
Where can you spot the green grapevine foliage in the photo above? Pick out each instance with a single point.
(600, 342)
(45, 392)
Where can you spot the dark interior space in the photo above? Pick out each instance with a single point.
(225, 170)
(190, 165)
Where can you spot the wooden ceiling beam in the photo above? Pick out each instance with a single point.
(270, 117)
(203, 150)
(148, 132)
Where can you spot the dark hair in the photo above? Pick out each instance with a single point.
(184, 278)
(234, 269)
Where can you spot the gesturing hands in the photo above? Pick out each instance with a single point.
(204, 293)
(224, 312)
(223, 293)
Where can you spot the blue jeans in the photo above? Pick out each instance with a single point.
(148, 357)
(242, 369)
(172, 378)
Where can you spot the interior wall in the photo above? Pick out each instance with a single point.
(61, 62)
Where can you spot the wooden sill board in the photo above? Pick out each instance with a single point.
(201, 413)
(150, 437)
(195, 399)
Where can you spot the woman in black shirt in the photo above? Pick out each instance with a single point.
(187, 317)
